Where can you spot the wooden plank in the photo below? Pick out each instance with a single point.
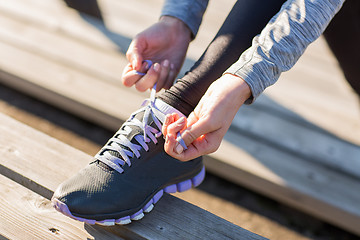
(315, 90)
(294, 128)
(309, 186)
(30, 155)
(120, 17)
(300, 138)
(26, 215)
(64, 67)
(338, 104)
(68, 51)
(67, 88)
(54, 16)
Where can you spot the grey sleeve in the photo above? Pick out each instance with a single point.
(283, 41)
(188, 11)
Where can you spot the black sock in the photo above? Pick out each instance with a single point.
(246, 19)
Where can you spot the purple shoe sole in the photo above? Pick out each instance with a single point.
(178, 187)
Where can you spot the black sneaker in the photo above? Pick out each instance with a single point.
(129, 174)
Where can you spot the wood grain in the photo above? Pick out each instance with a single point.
(26, 215)
(30, 155)
(298, 143)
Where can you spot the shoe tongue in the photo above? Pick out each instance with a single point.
(137, 130)
(140, 116)
(161, 106)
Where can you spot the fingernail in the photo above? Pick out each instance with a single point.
(146, 65)
(179, 149)
(166, 63)
(172, 66)
(167, 120)
(181, 120)
(156, 67)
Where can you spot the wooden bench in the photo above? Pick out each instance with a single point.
(299, 143)
(34, 164)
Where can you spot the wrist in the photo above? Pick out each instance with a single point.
(240, 88)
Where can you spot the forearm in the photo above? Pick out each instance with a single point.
(188, 11)
(283, 41)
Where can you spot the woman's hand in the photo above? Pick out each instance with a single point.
(206, 126)
(165, 44)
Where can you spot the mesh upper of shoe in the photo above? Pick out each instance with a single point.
(119, 149)
(108, 187)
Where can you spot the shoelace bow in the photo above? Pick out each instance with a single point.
(121, 145)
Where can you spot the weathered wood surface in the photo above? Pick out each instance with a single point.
(308, 186)
(40, 163)
(299, 143)
(26, 215)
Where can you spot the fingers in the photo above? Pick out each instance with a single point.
(149, 79)
(161, 74)
(171, 77)
(170, 128)
(172, 147)
(196, 127)
(189, 136)
(130, 75)
(166, 76)
(198, 135)
(163, 77)
(134, 55)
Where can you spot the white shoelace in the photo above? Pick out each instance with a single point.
(121, 145)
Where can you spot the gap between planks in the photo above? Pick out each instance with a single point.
(48, 162)
(101, 110)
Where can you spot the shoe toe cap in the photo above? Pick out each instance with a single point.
(85, 192)
(94, 192)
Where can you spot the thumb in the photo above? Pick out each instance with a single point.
(192, 133)
(134, 54)
(136, 61)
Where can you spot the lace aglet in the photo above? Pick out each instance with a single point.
(181, 141)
